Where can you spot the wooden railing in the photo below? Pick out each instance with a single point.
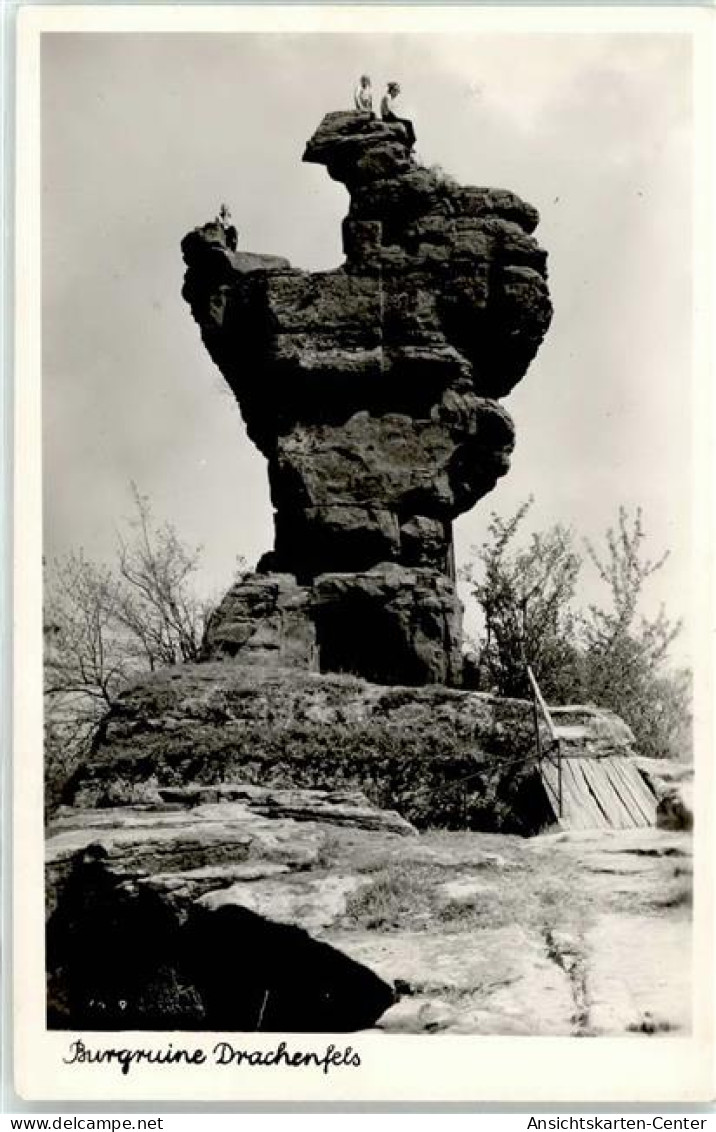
(553, 752)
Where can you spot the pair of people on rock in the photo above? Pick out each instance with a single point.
(363, 100)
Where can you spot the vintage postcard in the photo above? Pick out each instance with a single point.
(363, 554)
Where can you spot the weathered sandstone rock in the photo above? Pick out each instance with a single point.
(675, 808)
(371, 389)
(335, 624)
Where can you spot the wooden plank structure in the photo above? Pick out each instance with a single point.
(598, 793)
(587, 790)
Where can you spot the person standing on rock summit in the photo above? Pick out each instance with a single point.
(388, 114)
(223, 219)
(363, 95)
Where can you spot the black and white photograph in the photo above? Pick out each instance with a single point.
(371, 676)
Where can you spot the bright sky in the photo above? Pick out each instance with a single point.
(144, 135)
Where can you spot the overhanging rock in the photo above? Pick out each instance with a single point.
(154, 922)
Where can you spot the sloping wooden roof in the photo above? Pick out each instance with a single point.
(598, 793)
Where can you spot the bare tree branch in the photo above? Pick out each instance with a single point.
(105, 625)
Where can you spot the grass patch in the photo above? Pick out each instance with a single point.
(409, 896)
(330, 852)
(394, 900)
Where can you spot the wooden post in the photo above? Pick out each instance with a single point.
(538, 702)
(535, 718)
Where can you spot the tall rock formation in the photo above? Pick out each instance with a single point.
(372, 391)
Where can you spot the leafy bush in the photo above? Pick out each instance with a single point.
(607, 654)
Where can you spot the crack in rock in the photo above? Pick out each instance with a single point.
(567, 952)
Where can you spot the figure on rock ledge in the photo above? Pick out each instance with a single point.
(363, 95)
(372, 390)
(388, 112)
(224, 220)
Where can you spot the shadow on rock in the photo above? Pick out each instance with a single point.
(123, 957)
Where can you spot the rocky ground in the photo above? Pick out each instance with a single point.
(564, 934)
(560, 934)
